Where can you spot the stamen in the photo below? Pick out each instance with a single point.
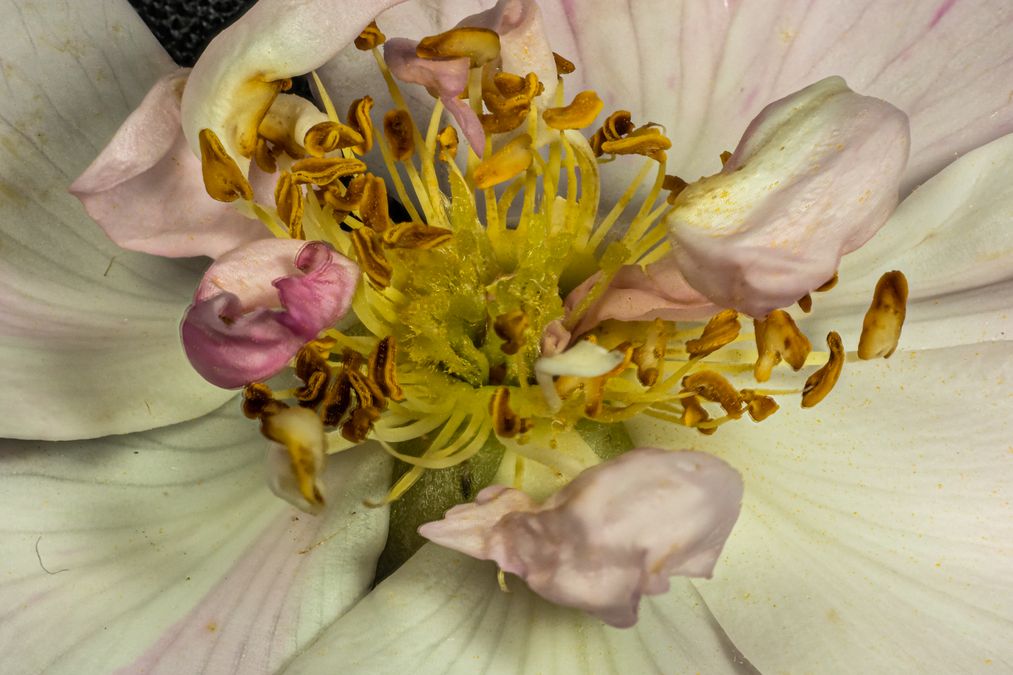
(288, 199)
(505, 422)
(647, 140)
(510, 160)
(510, 327)
(416, 235)
(580, 113)
(222, 177)
(721, 330)
(325, 170)
(300, 431)
(823, 380)
(778, 337)
(448, 144)
(370, 38)
(694, 415)
(481, 45)
(713, 387)
(805, 303)
(563, 65)
(675, 186)
(759, 406)
(330, 136)
(885, 318)
(382, 368)
(360, 121)
(399, 131)
(371, 257)
(258, 399)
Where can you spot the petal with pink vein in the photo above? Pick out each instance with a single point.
(258, 304)
(814, 177)
(615, 533)
(134, 188)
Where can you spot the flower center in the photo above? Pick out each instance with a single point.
(466, 311)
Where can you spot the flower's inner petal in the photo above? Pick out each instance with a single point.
(89, 340)
(885, 516)
(162, 552)
(443, 612)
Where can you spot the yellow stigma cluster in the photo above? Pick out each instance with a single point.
(458, 300)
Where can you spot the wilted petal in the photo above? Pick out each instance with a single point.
(230, 88)
(815, 175)
(658, 291)
(616, 532)
(135, 186)
(257, 305)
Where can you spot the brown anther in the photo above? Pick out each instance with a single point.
(650, 356)
(885, 318)
(725, 156)
(300, 431)
(311, 393)
(597, 138)
(823, 380)
(399, 131)
(370, 38)
(580, 113)
(361, 123)
(503, 122)
(721, 330)
(563, 66)
(760, 407)
(805, 303)
(778, 337)
(258, 399)
(373, 207)
(497, 374)
(288, 198)
(346, 198)
(325, 170)
(827, 285)
(510, 327)
(448, 141)
(647, 141)
(222, 178)
(617, 125)
(510, 160)
(415, 235)
(358, 426)
(330, 136)
(505, 422)
(675, 186)
(481, 45)
(712, 386)
(367, 392)
(264, 156)
(371, 258)
(382, 368)
(337, 400)
(509, 84)
(693, 414)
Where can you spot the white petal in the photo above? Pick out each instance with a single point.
(176, 556)
(89, 338)
(953, 240)
(704, 69)
(443, 613)
(876, 530)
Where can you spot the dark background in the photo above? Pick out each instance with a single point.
(184, 27)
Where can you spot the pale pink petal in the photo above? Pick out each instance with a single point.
(704, 68)
(442, 79)
(815, 175)
(237, 331)
(658, 291)
(275, 39)
(615, 533)
(135, 186)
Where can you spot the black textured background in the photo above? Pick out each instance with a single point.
(184, 27)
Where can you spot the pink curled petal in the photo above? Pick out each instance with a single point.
(555, 338)
(440, 78)
(257, 305)
(468, 121)
(658, 291)
(249, 272)
(231, 348)
(274, 40)
(321, 295)
(134, 187)
(814, 177)
(615, 533)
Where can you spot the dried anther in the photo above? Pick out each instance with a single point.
(505, 422)
(694, 414)
(580, 113)
(373, 205)
(382, 368)
(711, 386)
(827, 285)
(370, 256)
(823, 380)
(223, 179)
(448, 143)
(480, 45)
(288, 199)
(510, 160)
(370, 38)
(650, 356)
(510, 327)
(647, 141)
(563, 65)
(885, 318)
(325, 170)
(778, 337)
(675, 186)
(760, 407)
(258, 399)
(805, 303)
(416, 235)
(329, 136)
(399, 131)
(360, 121)
(721, 330)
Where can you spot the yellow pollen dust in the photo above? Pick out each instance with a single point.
(463, 285)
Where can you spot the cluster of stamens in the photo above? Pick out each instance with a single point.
(453, 305)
